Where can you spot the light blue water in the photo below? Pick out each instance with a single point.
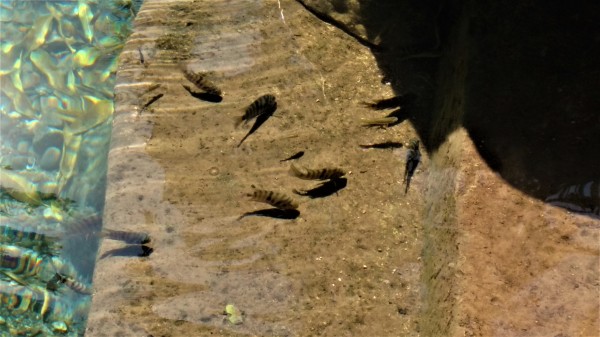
(57, 65)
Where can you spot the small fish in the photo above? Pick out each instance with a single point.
(153, 87)
(319, 174)
(260, 120)
(142, 61)
(152, 100)
(391, 103)
(383, 121)
(74, 285)
(265, 104)
(127, 237)
(202, 83)
(385, 145)
(274, 199)
(295, 156)
(413, 158)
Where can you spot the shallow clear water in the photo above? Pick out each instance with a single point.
(57, 66)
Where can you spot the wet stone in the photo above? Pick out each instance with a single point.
(51, 159)
(59, 327)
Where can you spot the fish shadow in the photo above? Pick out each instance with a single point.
(129, 251)
(384, 145)
(204, 96)
(325, 189)
(260, 120)
(276, 213)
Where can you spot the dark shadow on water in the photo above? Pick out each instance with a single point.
(530, 99)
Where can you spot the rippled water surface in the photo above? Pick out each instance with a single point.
(57, 66)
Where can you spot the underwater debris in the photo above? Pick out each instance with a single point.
(266, 104)
(274, 199)
(413, 158)
(297, 155)
(318, 174)
(234, 315)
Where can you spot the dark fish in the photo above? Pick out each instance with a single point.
(320, 174)
(142, 61)
(152, 100)
(152, 87)
(260, 120)
(325, 189)
(295, 156)
(265, 104)
(391, 103)
(413, 158)
(385, 145)
(127, 237)
(286, 214)
(202, 83)
(274, 199)
(205, 96)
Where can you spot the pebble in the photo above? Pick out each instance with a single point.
(59, 327)
(213, 171)
(51, 159)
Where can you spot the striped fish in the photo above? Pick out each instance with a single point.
(319, 174)
(201, 82)
(127, 237)
(274, 199)
(413, 158)
(74, 284)
(20, 261)
(581, 198)
(20, 299)
(265, 104)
